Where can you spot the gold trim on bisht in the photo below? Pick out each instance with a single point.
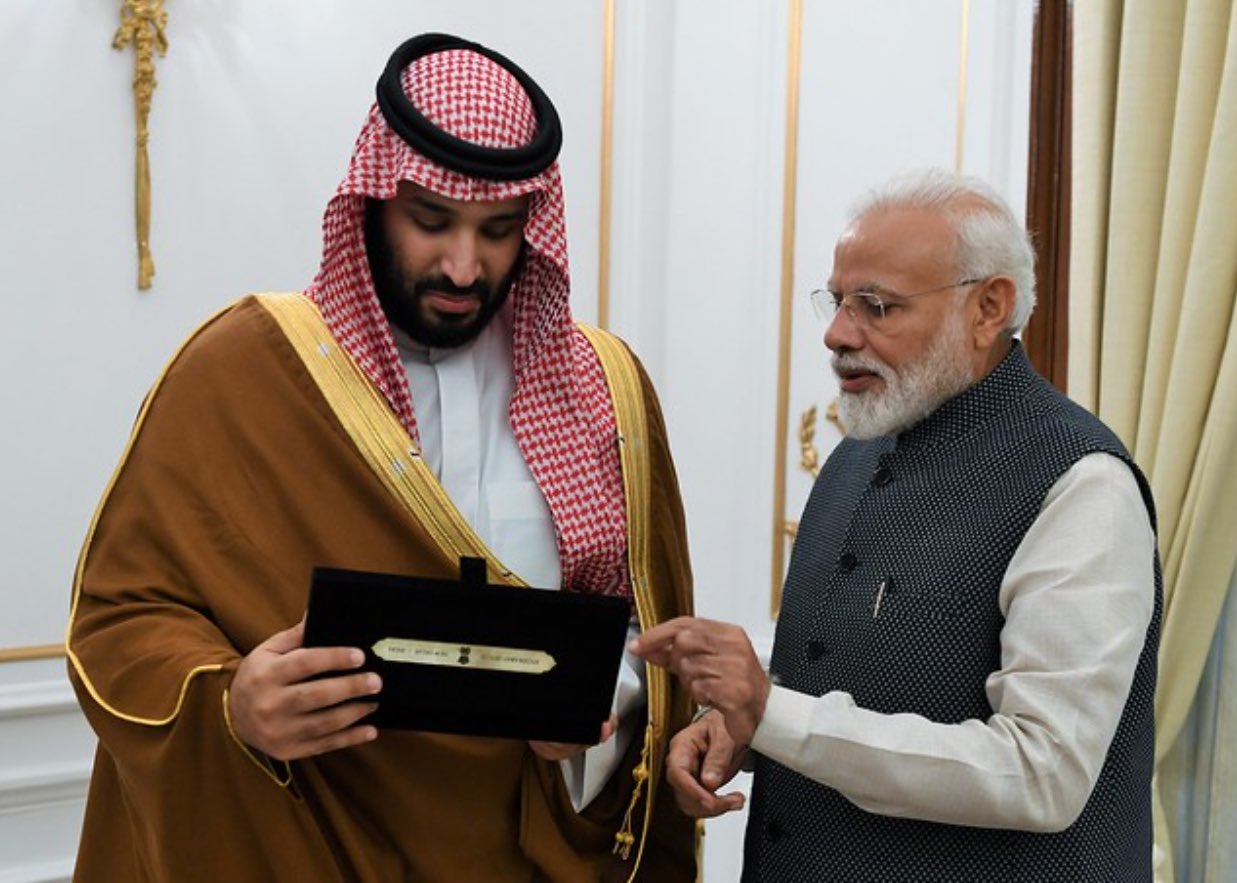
(143, 25)
(377, 433)
(379, 438)
(623, 381)
(80, 569)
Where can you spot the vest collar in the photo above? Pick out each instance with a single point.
(1012, 378)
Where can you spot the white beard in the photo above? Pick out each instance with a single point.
(909, 394)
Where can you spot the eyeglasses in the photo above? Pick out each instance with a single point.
(871, 307)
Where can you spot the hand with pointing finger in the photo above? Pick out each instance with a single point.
(717, 664)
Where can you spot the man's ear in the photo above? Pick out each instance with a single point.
(994, 304)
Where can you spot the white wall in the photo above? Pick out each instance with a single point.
(253, 121)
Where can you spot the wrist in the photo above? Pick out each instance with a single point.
(701, 712)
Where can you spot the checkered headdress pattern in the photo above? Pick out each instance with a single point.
(560, 411)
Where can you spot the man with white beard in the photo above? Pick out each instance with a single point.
(963, 674)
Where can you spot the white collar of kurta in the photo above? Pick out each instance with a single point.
(462, 399)
(491, 485)
(411, 350)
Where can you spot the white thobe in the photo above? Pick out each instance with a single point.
(462, 398)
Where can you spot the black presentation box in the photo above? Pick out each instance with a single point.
(466, 657)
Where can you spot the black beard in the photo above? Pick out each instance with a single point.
(401, 297)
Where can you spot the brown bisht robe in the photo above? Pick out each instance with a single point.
(259, 455)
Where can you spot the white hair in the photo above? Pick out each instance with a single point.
(990, 240)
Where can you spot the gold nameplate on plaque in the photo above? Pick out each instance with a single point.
(465, 657)
(513, 659)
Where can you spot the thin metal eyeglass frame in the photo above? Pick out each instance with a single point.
(826, 306)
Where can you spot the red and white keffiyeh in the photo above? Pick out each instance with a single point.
(561, 411)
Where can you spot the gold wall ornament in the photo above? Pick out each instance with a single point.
(809, 456)
(831, 414)
(809, 459)
(142, 26)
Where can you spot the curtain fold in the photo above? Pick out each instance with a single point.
(1203, 816)
(1094, 88)
(1149, 58)
(1153, 329)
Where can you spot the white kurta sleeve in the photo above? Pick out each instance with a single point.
(1077, 599)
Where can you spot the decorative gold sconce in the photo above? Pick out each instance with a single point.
(142, 26)
(809, 456)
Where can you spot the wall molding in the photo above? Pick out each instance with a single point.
(32, 652)
(642, 100)
(607, 165)
(790, 187)
(46, 785)
(46, 751)
(36, 698)
(43, 872)
(50, 782)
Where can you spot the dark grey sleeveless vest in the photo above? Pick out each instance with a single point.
(936, 515)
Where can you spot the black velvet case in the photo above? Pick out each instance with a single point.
(441, 647)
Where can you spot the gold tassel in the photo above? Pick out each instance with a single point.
(624, 840)
(142, 25)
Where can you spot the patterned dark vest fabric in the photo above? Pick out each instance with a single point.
(937, 514)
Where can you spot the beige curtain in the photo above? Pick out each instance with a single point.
(1153, 282)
